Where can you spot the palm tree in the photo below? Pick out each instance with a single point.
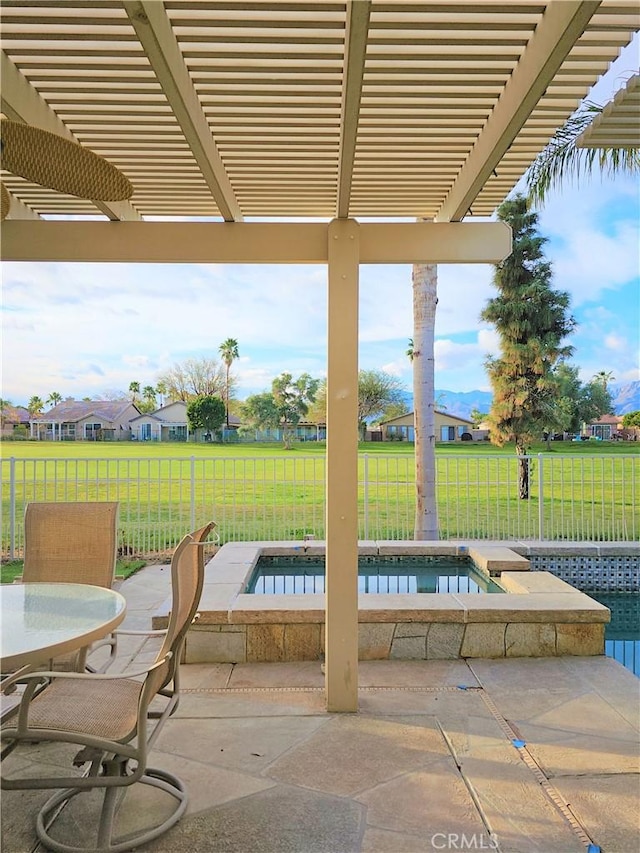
(603, 378)
(149, 394)
(35, 406)
(425, 299)
(161, 388)
(134, 390)
(54, 398)
(229, 351)
(562, 159)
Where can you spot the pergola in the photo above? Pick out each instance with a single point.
(302, 109)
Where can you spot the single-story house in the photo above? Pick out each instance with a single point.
(93, 420)
(448, 427)
(170, 423)
(604, 427)
(609, 428)
(303, 431)
(12, 418)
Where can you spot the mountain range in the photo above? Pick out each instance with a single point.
(626, 398)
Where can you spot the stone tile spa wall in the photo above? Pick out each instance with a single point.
(539, 615)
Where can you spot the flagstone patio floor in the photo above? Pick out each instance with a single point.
(516, 755)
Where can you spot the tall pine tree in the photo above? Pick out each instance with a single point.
(532, 322)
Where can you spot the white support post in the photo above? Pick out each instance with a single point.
(540, 496)
(341, 608)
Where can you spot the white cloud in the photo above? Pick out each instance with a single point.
(386, 304)
(631, 375)
(136, 321)
(452, 355)
(255, 377)
(590, 262)
(395, 368)
(135, 362)
(489, 341)
(597, 316)
(463, 291)
(615, 343)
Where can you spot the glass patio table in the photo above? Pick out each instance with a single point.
(43, 620)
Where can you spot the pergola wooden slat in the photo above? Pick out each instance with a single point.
(317, 82)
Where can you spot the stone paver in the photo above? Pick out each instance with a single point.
(607, 806)
(279, 820)
(427, 802)
(353, 754)
(520, 813)
(238, 743)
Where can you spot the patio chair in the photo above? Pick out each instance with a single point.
(72, 542)
(107, 715)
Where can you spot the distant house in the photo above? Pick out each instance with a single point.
(302, 431)
(609, 427)
(448, 427)
(605, 428)
(94, 420)
(14, 417)
(170, 423)
(310, 431)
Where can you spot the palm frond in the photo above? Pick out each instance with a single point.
(562, 160)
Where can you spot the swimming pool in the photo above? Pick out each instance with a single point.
(622, 634)
(274, 575)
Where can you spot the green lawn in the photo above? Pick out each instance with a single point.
(164, 450)
(581, 490)
(124, 569)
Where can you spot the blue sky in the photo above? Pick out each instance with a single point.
(88, 329)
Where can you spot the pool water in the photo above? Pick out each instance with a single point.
(622, 634)
(305, 574)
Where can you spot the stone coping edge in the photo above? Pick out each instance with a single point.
(545, 599)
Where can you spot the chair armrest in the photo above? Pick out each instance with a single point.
(160, 632)
(8, 683)
(41, 675)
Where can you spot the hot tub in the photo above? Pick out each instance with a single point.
(537, 615)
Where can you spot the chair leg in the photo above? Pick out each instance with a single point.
(159, 779)
(105, 829)
(112, 642)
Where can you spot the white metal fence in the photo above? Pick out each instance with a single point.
(592, 498)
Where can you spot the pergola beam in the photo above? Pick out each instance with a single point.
(21, 102)
(355, 50)
(561, 26)
(251, 243)
(155, 33)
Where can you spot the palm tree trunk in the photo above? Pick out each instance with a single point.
(425, 299)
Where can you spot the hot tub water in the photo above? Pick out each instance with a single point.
(376, 574)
